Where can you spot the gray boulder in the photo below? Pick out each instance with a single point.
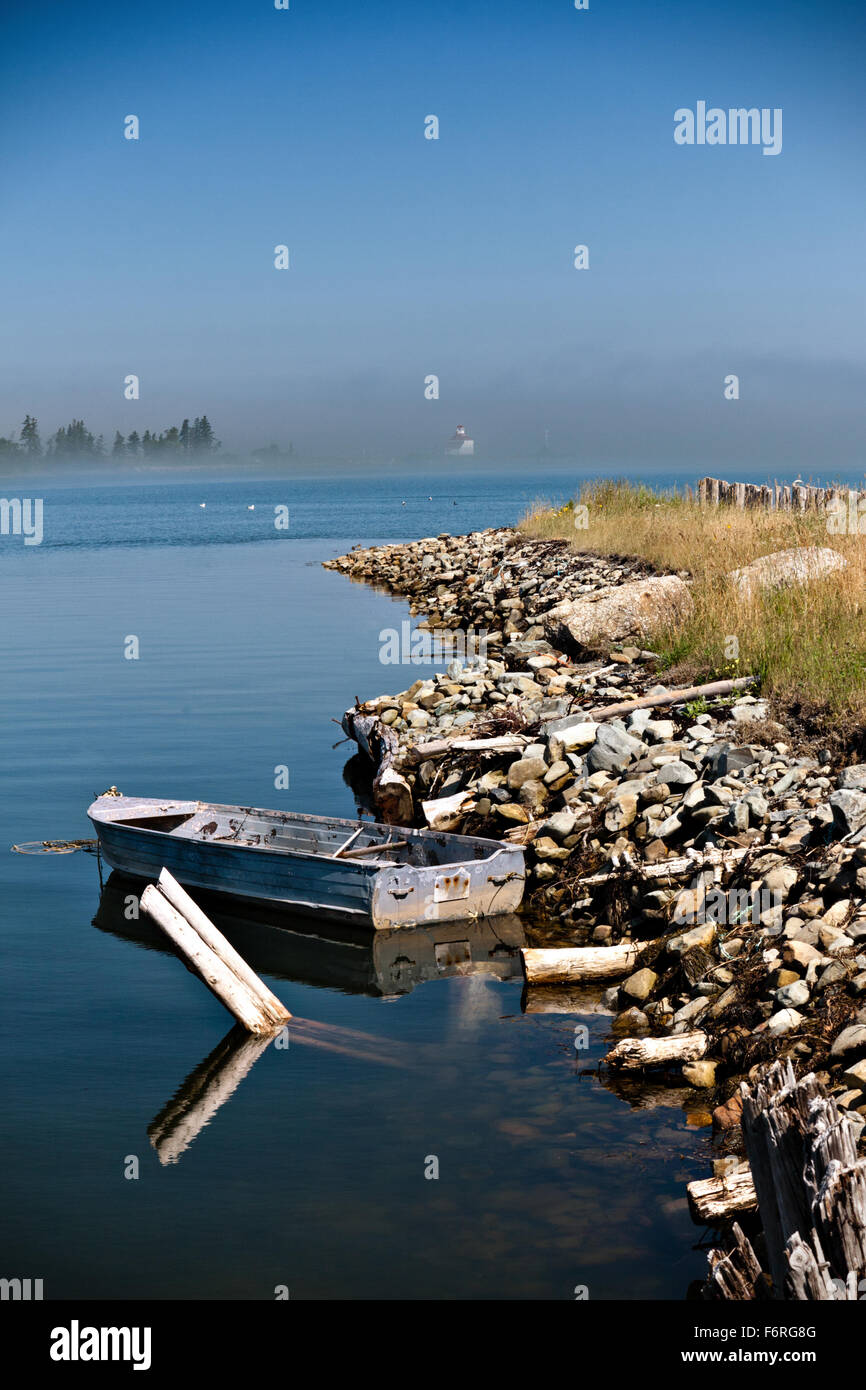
(785, 567)
(849, 811)
(613, 749)
(639, 607)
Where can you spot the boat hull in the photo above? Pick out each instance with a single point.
(380, 891)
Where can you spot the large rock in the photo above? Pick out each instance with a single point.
(783, 1022)
(676, 774)
(794, 995)
(613, 749)
(571, 736)
(850, 1042)
(779, 880)
(560, 825)
(636, 608)
(621, 810)
(639, 987)
(700, 1074)
(703, 935)
(849, 810)
(785, 567)
(726, 759)
(728, 1116)
(526, 770)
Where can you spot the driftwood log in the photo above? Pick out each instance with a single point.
(441, 747)
(717, 1199)
(392, 794)
(272, 1007)
(210, 956)
(737, 1275)
(668, 697)
(637, 1054)
(670, 868)
(572, 965)
(811, 1190)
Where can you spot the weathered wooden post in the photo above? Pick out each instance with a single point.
(811, 1189)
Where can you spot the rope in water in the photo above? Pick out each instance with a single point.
(56, 846)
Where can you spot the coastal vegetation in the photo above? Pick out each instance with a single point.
(76, 441)
(806, 643)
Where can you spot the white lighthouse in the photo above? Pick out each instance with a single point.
(459, 444)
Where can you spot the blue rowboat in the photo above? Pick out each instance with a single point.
(361, 871)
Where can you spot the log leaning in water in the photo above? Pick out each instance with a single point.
(273, 1008)
(199, 957)
(572, 965)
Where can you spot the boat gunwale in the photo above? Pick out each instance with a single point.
(372, 864)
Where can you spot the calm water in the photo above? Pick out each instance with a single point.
(311, 1175)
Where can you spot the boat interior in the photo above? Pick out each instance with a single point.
(354, 841)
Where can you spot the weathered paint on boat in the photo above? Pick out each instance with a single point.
(283, 857)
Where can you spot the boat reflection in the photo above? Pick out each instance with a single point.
(384, 964)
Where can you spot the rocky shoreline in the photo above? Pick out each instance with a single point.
(697, 830)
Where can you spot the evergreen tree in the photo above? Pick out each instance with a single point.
(75, 441)
(30, 441)
(203, 441)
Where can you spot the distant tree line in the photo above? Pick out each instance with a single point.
(76, 441)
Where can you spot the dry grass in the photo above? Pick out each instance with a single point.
(807, 643)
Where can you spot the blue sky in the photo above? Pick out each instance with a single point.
(454, 257)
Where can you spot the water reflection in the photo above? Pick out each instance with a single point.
(203, 1092)
(308, 950)
(384, 964)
